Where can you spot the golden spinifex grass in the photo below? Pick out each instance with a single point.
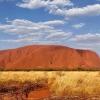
(60, 83)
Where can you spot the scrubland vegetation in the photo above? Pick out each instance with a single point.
(59, 83)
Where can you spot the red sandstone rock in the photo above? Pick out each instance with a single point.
(48, 57)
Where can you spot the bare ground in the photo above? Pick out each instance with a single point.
(23, 97)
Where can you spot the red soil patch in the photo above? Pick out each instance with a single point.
(48, 57)
(25, 91)
(39, 94)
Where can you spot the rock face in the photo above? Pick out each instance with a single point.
(48, 57)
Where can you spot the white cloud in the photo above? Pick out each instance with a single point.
(77, 26)
(89, 41)
(53, 6)
(25, 26)
(34, 4)
(34, 31)
(54, 22)
(17, 40)
(60, 35)
(88, 10)
(60, 7)
(87, 38)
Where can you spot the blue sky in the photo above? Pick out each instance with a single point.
(74, 23)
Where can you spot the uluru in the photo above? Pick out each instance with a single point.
(48, 57)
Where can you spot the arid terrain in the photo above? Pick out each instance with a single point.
(56, 85)
(48, 57)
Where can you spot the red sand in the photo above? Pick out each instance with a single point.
(39, 94)
(26, 91)
(48, 57)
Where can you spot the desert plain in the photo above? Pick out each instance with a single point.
(49, 85)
